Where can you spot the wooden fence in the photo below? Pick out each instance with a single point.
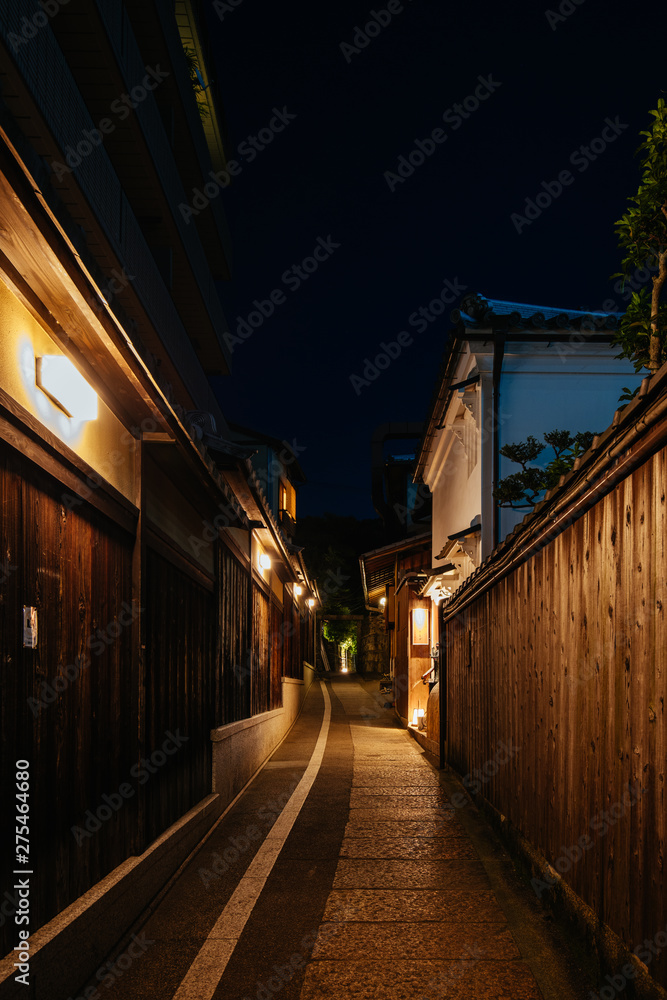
(564, 659)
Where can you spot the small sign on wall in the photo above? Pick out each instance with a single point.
(29, 627)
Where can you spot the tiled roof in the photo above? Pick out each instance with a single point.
(476, 311)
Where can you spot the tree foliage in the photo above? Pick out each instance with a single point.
(642, 233)
(522, 490)
(333, 544)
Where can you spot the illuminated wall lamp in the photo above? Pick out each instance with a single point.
(265, 561)
(298, 590)
(311, 602)
(383, 601)
(65, 386)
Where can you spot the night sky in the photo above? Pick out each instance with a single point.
(551, 83)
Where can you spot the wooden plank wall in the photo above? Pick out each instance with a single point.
(566, 658)
(75, 567)
(213, 654)
(277, 655)
(233, 631)
(181, 675)
(261, 652)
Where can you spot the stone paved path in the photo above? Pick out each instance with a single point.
(380, 890)
(411, 912)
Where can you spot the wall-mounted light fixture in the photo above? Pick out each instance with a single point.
(420, 627)
(264, 561)
(383, 601)
(298, 590)
(66, 387)
(311, 602)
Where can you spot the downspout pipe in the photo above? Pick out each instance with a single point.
(442, 681)
(498, 357)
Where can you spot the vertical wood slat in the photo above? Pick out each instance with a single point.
(180, 678)
(277, 653)
(233, 626)
(571, 666)
(261, 667)
(75, 567)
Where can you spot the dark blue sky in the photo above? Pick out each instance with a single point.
(554, 81)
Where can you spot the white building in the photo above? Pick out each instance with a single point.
(509, 370)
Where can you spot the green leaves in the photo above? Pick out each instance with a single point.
(636, 330)
(522, 490)
(642, 233)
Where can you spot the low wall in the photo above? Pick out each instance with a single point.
(240, 748)
(68, 950)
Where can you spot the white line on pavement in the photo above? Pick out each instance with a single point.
(203, 976)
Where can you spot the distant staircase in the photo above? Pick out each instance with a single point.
(325, 658)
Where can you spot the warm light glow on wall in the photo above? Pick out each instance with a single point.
(420, 627)
(383, 601)
(265, 561)
(298, 590)
(66, 387)
(311, 602)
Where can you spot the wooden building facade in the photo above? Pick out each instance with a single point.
(393, 578)
(149, 596)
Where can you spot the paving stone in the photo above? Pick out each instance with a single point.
(397, 789)
(360, 800)
(383, 810)
(414, 980)
(429, 940)
(401, 776)
(413, 904)
(351, 874)
(387, 826)
(407, 847)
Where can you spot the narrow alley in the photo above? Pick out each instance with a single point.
(343, 870)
